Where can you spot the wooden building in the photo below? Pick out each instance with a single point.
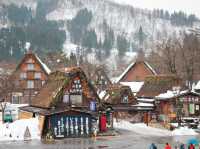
(27, 79)
(156, 85)
(136, 72)
(100, 79)
(168, 104)
(68, 106)
(120, 99)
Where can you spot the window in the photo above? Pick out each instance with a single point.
(76, 99)
(16, 98)
(76, 87)
(30, 67)
(30, 60)
(125, 99)
(23, 75)
(30, 84)
(43, 82)
(66, 98)
(37, 75)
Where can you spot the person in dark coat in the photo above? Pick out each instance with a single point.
(153, 146)
(182, 146)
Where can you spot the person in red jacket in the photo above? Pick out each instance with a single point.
(167, 146)
(191, 146)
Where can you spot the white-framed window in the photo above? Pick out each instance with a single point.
(37, 75)
(30, 60)
(23, 75)
(16, 98)
(125, 99)
(30, 66)
(43, 82)
(30, 84)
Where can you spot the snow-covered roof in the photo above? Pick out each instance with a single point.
(170, 94)
(145, 100)
(130, 66)
(135, 86)
(102, 94)
(141, 104)
(45, 67)
(197, 87)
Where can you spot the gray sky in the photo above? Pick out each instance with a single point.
(188, 6)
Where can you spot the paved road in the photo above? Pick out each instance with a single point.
(127, 140)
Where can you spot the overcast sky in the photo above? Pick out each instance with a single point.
(188, 6)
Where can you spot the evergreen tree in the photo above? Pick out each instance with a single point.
(78, 25)
(141, 36)
(90, 39)
(122, 45)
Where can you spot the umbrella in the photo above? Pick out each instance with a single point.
(193, 141)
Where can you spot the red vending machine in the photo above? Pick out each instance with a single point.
(103, 123)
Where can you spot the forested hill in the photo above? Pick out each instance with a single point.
(96, 26)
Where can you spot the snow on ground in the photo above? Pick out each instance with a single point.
(15, 131)
(183, 131)
(145, 130)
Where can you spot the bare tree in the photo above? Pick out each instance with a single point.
(180, 56)
(7, 85)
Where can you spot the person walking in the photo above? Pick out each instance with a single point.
(191, 146)
(153, 146)
(182, 146)
(167, 146)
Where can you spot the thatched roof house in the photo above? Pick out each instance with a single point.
(118, 94)
(100, 79)
(155, 85)
(58, 82)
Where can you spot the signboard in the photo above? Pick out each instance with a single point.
(71, 126)
(191, 109)
(93, 106)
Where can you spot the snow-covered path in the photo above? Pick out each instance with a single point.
(143, 129)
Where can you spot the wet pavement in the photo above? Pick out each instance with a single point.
(127, 140)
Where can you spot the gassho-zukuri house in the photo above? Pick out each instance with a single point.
(135, 74)
(68, 106)
(28, 78)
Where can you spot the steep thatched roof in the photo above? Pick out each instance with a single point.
(115, 93)
(49, 91)
(56, 83)
(100, 79)
(155, 85)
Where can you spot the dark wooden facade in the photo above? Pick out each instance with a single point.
(27, 79)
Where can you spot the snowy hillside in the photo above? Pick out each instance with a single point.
(123, 19)
(120, 18)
